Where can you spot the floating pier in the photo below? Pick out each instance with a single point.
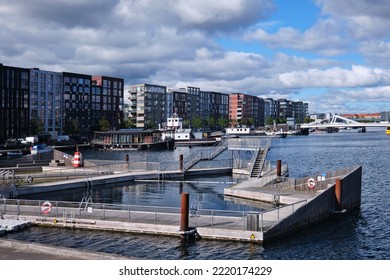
(12, 225)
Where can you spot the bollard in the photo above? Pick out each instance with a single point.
(180, 162)
(278, 168)
(184, 212)
(337, 190)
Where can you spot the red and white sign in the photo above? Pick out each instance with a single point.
(311, 183)
(46, 207)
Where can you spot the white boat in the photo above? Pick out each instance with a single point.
(40, 148)
(14, 153)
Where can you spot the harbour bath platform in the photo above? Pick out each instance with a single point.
(292, 203)
(297, 203)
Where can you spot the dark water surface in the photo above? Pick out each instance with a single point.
(362, 234)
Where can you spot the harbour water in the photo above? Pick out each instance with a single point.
(362, 234)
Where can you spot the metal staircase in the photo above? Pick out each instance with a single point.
(259, 163)
(7, 184)
(210, 154)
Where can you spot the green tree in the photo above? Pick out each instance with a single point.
(150, 124)
(186, 123)
(308, 120)
(36, 126)
(72, 127)
(269, 121)
(128, 123)
(197, 122)
(247, 122)
(211, 122)
(223, 123)
(104, 125)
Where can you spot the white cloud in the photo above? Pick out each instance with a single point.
(323, 38)
(357, 76)
(370, 100)
(222, 14)
(364, 19)
(376, 52)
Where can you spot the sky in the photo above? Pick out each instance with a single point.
(333, 54)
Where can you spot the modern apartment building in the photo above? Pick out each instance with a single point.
(46, 92)
(14, 102)
(148, 105)
(294, 110)
(107, 101)
(385, 116)
(214, 105)
(271, 109)
(193, 103)
(180, 103)
(77, 104)
(246, 109)
(300, 111)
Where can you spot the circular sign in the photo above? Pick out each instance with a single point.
(29, 179)
(311, 183)
(46, 207)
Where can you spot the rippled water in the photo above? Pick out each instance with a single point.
(362, 234)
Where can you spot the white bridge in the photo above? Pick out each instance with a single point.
(336, 121)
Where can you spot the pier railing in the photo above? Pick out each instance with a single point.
(248, 143)
(66, 212)
(313, 183)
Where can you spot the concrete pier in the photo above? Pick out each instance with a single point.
(295, 203)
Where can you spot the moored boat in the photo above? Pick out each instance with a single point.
(40, 148)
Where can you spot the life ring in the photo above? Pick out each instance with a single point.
(311, 183)
(46, 207)
(29, 179)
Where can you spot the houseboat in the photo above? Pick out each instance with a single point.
(185, 136)
(139, 139)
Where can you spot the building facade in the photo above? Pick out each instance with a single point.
(213, 106)
(246, 109)
(180, 103)
(77, 104)
(107, 101)
(271, 109)
(148, 105)
(46, 92)
(14, 102)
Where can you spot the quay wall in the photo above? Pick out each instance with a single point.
(209, 233)
(321, 207)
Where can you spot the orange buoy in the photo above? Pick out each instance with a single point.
(77, 160)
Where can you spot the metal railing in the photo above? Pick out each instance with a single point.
(271, 217)
(206, 154)
(162, 215)
(249, 143)
(321, 181)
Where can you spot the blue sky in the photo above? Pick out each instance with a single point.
(332, 54)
